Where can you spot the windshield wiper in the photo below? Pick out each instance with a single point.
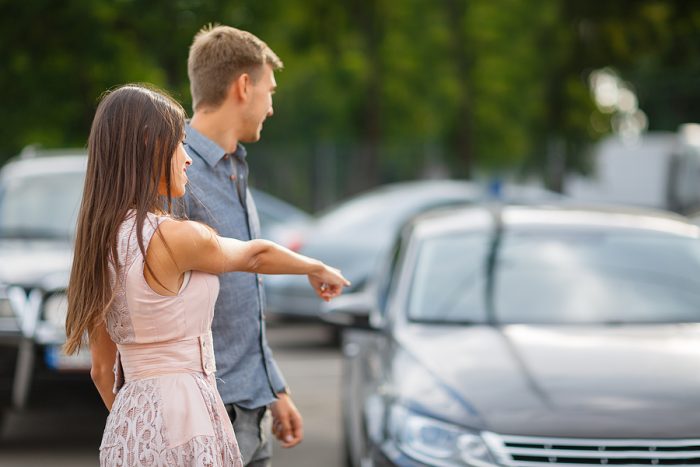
(31, 233)
(450, 322)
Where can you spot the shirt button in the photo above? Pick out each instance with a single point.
(233, 177)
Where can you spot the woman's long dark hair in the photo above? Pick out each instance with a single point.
(134, 135)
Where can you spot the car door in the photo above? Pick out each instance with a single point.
(366, 368)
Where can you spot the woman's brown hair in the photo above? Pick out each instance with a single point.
(134, 135)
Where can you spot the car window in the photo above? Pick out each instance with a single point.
(42, 205)
(449, 279)
(597, 277)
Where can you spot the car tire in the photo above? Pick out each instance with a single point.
(347, 455)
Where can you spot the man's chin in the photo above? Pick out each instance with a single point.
(251, 139)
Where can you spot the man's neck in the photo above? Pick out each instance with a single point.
(216, 127)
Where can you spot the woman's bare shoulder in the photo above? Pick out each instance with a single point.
(183, 233)
(191, 245)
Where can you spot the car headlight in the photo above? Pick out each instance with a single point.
(436, 443)
(56, 309)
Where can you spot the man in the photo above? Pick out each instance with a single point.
(232, 80)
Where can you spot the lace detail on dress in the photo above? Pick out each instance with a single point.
(134, 431)
(229, 450)
(199, 451)
(135, 434)
(119, 325)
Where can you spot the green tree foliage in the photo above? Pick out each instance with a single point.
(372, 90)
(654, 44)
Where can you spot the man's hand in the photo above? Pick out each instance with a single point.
(287, 425)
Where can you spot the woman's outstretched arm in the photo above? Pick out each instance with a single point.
(187, 245)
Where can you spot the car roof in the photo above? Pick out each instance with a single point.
(561, 215)
(415, 189)
(44, 162)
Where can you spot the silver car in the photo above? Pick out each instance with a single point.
(356, 234)
(528, 336)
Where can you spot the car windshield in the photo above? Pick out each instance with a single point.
(449, 279)
(594, 277)
(40, 205)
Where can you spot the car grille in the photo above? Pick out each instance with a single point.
(532, 451)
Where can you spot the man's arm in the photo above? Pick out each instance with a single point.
(287, 423)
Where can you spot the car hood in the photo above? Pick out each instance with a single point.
(31, 263)
(599, 381)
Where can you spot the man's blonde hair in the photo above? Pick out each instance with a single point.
(218, 56)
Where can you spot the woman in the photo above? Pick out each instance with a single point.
(143, 288)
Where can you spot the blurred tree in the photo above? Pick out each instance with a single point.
(59, 57)
(654, 44)
(373, 90)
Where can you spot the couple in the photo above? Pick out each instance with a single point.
(144, 285)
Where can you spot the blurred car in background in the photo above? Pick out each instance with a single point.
(355, 235)
(40, 193)
(279, 220)
(695, 218)
(528, 336)
(39, 200)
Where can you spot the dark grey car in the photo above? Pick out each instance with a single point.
(526, 336)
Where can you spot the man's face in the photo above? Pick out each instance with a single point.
(259, 106)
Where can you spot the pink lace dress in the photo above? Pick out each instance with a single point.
(167, 410)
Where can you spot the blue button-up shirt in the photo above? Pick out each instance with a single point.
(217, 195)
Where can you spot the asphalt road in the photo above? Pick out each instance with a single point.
(64, 429)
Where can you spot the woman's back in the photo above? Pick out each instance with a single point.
(140, 315)
(167, 410)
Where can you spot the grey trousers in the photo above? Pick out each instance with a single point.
(253, 430)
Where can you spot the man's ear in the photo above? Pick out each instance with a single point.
(240, 87)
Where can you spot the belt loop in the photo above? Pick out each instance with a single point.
(206, 350)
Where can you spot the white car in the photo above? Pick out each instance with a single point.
(39, 200)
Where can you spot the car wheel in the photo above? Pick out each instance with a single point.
(347, 455)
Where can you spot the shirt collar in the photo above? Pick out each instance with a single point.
(207, 149)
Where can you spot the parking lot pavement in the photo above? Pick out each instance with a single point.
(57, 434)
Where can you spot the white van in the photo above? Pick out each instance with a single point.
(659, 170)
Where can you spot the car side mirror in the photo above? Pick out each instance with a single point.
(354, 310)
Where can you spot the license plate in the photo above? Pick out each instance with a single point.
(56, 359)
